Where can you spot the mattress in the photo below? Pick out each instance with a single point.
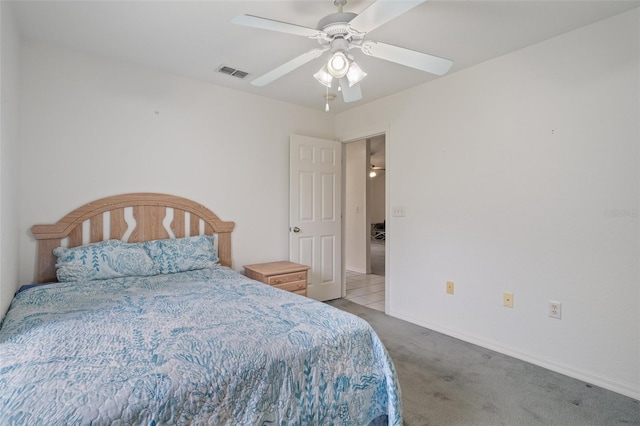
(201, 347)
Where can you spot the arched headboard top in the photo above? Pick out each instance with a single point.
(150, 213)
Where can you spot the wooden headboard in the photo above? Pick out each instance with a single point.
(86, 224)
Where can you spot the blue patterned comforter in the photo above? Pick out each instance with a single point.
(200, 347)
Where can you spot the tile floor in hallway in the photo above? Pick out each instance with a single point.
(367, 290)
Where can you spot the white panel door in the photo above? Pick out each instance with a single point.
(315, 213)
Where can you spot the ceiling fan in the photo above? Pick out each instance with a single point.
(340, 32)
(373, 170)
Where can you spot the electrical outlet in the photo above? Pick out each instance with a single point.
(449, 287)
(555, 309)
(507, 299)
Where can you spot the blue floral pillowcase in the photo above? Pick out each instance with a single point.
(183, 254)
(115, 259)
(103, 260)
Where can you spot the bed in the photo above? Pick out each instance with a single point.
(109, 337)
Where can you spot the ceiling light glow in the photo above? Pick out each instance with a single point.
(338, 65)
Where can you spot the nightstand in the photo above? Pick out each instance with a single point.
(284, 275)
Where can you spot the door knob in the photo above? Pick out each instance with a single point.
(296, 229)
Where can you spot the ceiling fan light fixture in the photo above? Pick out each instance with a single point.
(338, 65)
(339, 33)
(355, 74)
(323, 76)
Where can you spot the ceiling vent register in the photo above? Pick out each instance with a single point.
(232, 71)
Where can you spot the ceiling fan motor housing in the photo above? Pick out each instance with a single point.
(339, 44)
(336, 24)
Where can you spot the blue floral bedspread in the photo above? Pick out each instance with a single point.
(200, 347)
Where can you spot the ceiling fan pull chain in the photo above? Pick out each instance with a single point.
(326, 107)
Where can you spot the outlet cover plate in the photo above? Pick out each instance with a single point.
(507, 299)
(449, 287)
(555, 309)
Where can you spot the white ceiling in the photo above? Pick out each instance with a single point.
(193, 38)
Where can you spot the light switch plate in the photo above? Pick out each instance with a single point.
(398, 211)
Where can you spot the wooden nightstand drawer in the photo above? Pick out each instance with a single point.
(292, 286)
(287, 278)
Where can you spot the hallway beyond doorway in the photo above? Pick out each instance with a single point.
(377, 257)
(368, 290)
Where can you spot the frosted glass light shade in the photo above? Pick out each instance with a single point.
(355, 74)
(323, 76)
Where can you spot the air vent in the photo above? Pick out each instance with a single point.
(232, 71)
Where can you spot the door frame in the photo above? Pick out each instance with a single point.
(353, 137)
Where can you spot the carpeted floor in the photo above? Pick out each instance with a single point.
(446, 381)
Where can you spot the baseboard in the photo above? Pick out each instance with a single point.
(358, 270)
(603, 382)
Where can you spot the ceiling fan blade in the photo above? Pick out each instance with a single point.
(270, 24)
(410, 58)
(350, 94)
(381, 12)
(287, 67)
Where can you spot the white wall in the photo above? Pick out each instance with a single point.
(355, 227)
(377, 194)
(522, 174)
(377, 185)
(92, 127)
(8, 158)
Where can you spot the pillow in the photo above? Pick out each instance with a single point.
(183, 254)
(102, 260)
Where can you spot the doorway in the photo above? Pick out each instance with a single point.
(376, 202)
(365, 221)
